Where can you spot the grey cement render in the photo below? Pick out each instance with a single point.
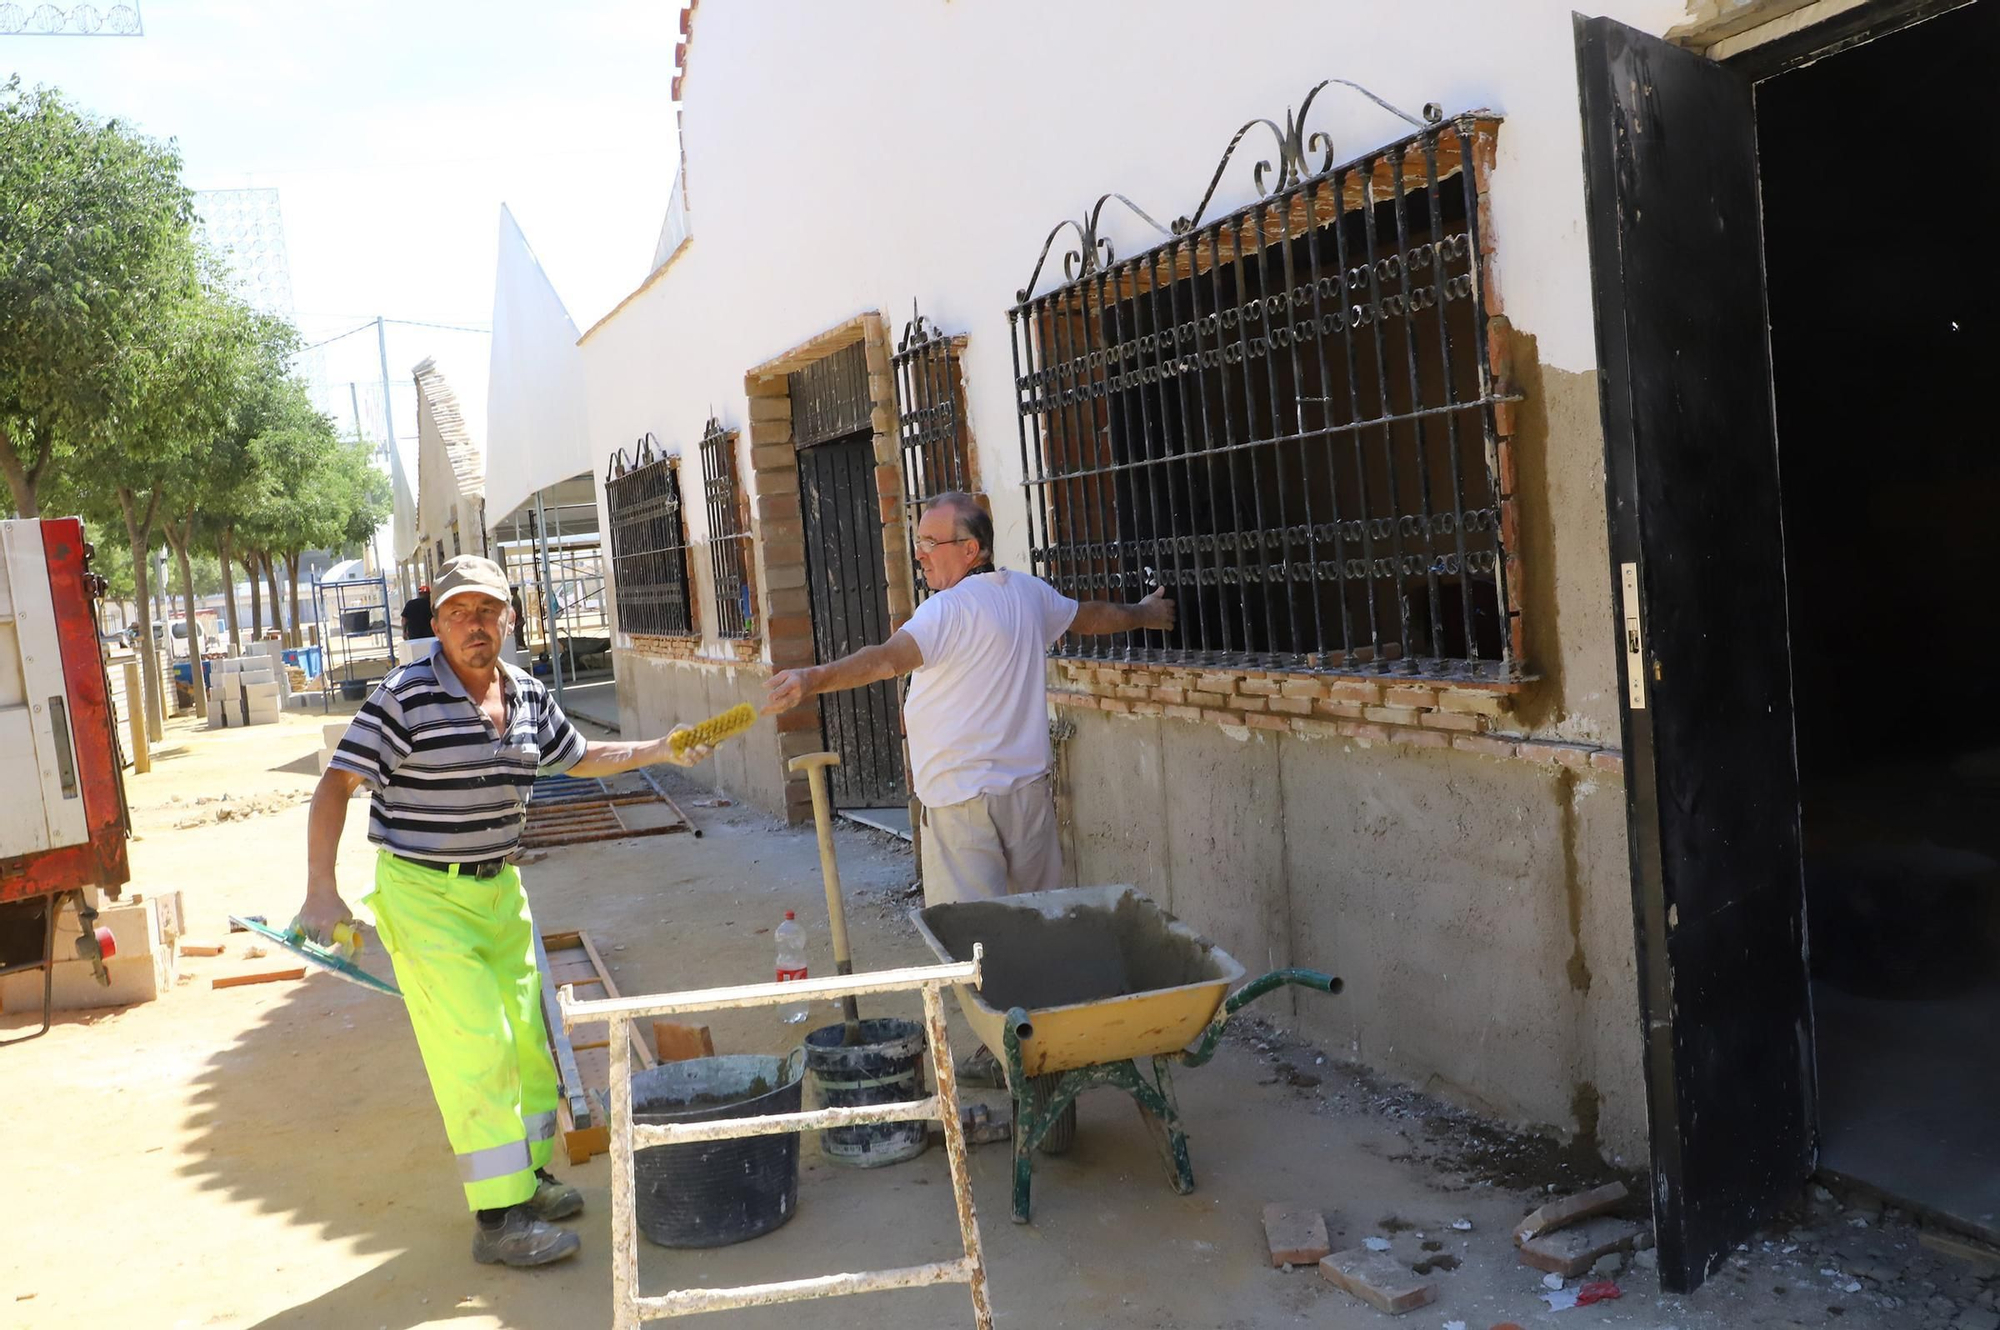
(1479, 909)
(655, 694)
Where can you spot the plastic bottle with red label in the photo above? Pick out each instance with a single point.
(791, 965)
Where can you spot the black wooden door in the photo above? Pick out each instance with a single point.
(1697, 550)
(849, 588)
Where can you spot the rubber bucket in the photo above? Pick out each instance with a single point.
(714, 1193)
(886, 1067)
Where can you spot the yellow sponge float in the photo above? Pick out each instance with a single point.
(716, 728)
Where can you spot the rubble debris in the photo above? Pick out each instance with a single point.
(1295, 1234)
(1556, 1214)
(1378, 1279)
(1573, 1250)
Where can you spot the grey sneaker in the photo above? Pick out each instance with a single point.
(521, 1239)
(553, 1198)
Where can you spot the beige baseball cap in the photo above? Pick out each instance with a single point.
(468, 572)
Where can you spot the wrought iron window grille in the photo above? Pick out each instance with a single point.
(1285, 416)
(933, 435)
(728, 534)
(649, 566)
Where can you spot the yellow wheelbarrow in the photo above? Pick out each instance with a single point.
(1080, 985)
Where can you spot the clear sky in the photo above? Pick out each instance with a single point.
(393, 133)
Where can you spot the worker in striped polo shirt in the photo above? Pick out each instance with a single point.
(449, 747)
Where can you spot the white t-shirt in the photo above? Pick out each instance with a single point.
(977, 711)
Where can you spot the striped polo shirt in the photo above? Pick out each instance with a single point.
(446, 787)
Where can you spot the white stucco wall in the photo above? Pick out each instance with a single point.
(843, 159)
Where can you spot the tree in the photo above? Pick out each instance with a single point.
(93, 221)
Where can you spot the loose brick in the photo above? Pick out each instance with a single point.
(1133, 693)
(1450, 720)
(1477, 702)
(1378, 1279)
(1173, 696)
(1217, 683)
(1346, 690)
(1110, 674)
(1294, 706)
(1339, 710)
(1390, 715)
(1575, 1248)
(1295, 1234)
(1420, 738)
(1250, 687)
(1568, 1210)
(1248, 704)
(1417, 699)
(1205, 699)
(1115, 705)
(1608, 759)
(770, 409)
(1302, 688)
(1485, 743)
(1263, 721)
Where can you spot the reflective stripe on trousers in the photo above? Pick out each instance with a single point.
(464, 951)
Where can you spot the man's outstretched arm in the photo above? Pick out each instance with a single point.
(788, 688)
(1097, 617)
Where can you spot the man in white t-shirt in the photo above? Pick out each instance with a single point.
(977, 711)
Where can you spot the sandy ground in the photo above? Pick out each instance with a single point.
(270, 1155)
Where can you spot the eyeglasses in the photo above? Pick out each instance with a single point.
(926, 545)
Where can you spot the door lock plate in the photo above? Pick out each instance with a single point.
(1635, 647)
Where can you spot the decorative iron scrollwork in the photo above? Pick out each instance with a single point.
(1296, 149)
(645, 452)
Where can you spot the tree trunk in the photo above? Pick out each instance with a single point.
(222, 552)
(256, 594)
(23, 476)
(297, 638)
(139, 533)
(271, 580)
(198, 688)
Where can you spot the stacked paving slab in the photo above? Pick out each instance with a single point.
(250, 689)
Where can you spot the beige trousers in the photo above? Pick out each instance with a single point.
(992, 845)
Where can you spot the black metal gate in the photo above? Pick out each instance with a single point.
(846, 578)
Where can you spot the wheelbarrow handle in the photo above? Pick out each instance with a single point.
(1204, 1049)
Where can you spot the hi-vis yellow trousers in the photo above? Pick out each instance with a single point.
(464, 950)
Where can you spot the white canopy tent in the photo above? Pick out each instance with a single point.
(537, 434)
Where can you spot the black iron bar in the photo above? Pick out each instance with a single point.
(1160, 470)
(1183, 357)
(1325, 400)
(1469, 172)
(1349, 312)
(1073, 516)
(1033, 475)
(1463, 572)
(1233, 532)
(1214, 495)
(1243, 275)
(1408, 320)
(1286, 332)
(1100, 402)
(1399, 563)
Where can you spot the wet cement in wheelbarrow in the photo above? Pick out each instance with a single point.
(1037, 960)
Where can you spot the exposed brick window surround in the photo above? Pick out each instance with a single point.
(934, 435)
(649, 543)
(780, 521)
(1291, 418)
(728, 535)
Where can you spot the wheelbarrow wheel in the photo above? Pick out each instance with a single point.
(1061, 1134)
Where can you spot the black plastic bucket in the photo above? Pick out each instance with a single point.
(886, 1067)
(714, 1193)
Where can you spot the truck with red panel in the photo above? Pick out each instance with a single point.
(63, 821)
